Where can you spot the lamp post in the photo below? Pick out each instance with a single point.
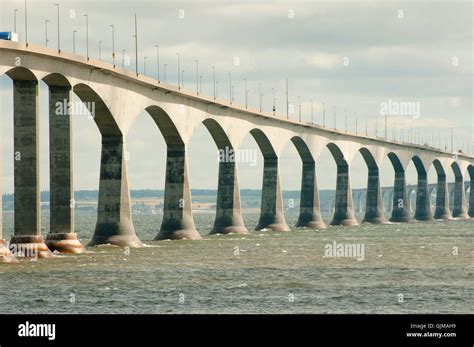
(26, 24)
(214, 79)
(197, 76)
(14, 19)
(230, 87)
(136, 45)
(246, 93)
(59, 41)
(87, 35)
(273, 99)
(74, 41)
(113, 44)
(179, 85)
(158, 63)
(46, 31)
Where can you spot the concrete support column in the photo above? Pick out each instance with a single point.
(310, 209)
(271, 210)
(344, 211)
(471, 194)
(460, 206)
(442, 199)
(114, 218)
(400, 203)
(61, 236)
(228, 212)
(423, 203)
(178, 220)
(374, 211)
(27, 239)
(5, 255)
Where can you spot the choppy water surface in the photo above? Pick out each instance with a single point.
(265, 272)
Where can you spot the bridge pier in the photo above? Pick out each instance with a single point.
(114, 219)
(471, 194)
(401, 207)
(178, 220)
(374, 212)
(27, 239)
(344, 211)
(442, 198)
(271, 211)
(310, 209)
(423, 203)
(5, 255)
(228, 212)
(61, 236)
(459, 208)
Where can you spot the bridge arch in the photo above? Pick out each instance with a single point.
(374, 209)
(442, 195)
(401, 203)
(423, 205)
(344, 208)
(310, 209)
(459, 193)
(228, 208)
(271, 210)
(178, 222)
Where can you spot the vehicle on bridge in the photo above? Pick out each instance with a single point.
(9, 36)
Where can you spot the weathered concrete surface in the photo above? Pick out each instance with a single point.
(344, 211)
(61, 237)
(27, 229)
(310, 209)
(114, 218)
(228, 212)
(374, 212)
(401, 207)
(423, 204)
(459, 207)
(471, 195)
(271, 209)
(442, 210)
(178, 220)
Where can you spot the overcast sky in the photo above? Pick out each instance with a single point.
(354, 55)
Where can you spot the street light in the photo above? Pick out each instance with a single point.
(46, 31)
(74, 41)
(273, 100)
(136, 45)
(87, 35)
(158, 63)
(230, 87)
(26, 24)
(59, 41)
(197, 76)
(179, 85)
(113, 44)
(214, 79)
(14, 19)
(246, 93)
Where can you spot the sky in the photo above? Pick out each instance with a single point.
(346, 54)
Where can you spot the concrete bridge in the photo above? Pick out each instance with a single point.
(359, 197)
(117, 96)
